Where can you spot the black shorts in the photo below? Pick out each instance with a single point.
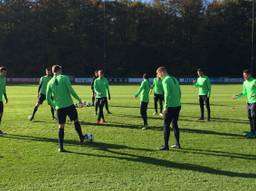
(70, 111)
(41, 98)
(159, 97)
(1, 107)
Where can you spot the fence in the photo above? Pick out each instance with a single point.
(85, 80)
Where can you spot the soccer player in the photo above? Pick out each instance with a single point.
(172, 107)
(143, 92)
(92, 87)
(158, 95)
(59, 95)
(249, 90)
(203, 83)
(3, 73)
(101, 88)
(42, 92)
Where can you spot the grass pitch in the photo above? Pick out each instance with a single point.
(215, 155)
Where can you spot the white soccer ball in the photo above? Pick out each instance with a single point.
(29, 117)
(89, 137)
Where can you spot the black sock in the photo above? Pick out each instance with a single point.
(61, 137)
(34, 111)
(79, 131)
(52, 111)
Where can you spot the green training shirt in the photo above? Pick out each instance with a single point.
(158, 86)
(172, 92)
(249, 90)
(2, 87)
(144, 90)
(59, 92)
(43, 84)
(101, 87)
(203, 83)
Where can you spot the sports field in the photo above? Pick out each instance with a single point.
(214, 155)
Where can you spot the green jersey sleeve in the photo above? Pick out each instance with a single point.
(140, 89)
(71, 90)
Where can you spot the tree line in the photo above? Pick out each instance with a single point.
(124, 37)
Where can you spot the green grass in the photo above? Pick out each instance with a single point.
(214, 156)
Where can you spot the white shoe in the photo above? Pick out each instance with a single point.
(161, 114)
(155, 113)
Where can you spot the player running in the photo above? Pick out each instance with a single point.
(143, 93)
(59, 95)
(203, 83)
(42, 93)
(158, 95)
(249, 90)
(3, 73)
(172, 107)
(101, 88)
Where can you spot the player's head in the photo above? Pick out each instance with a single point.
(145, 76)
(100, 73)
(246, 74)
(200, 72)
(96, 73)
(3, 71)
(56, 69)
(48, 71)
(161, 72)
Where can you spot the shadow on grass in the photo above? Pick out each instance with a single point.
(159, 128)
(167, 164)
(217, 153)
(216, 119)
(190, 119)
(96, 145)
(138, 158)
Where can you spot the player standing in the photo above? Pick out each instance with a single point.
(42, 92)
(172, 107)
(3, 73)
(158, 95)
(203, 83)
(249, 90)
(143, 93)
(58, 95)
(101, 88)
(92, 87)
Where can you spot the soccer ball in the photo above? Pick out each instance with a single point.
(29, 117)
(89, 137)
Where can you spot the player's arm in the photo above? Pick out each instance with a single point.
(196, 84)
(92, 84)
(97, 88)
(40, 85)
(209, 86)
(5, 95)
(243, 93)
(109, 97)
(140, 90)
(49, 96)
(167, 89)
(72, 91)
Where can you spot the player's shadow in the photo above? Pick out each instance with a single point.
(217, 153)
(135, 158)
(212, 104)
(214, 119)
(128, 107)
(159, 128)
(166, 163)
(96, 145)
(117, 125)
